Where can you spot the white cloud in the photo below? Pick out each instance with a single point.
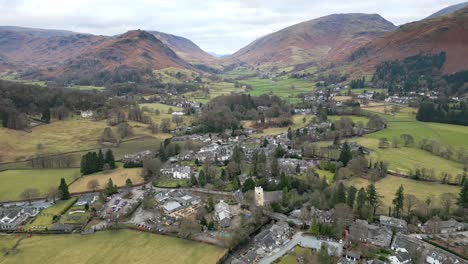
(222, 26)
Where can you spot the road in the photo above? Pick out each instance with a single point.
(303, 241)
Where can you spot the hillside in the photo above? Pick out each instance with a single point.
(448, 10)
(185, 48)
(447, 34)
(49, 54)
(330, 38)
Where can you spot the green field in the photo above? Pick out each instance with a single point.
(356, 119)
(45, 218)
(403, 160)
(89, 88)
(298, 122)
(215, 89)
(422, 190)
(118, 176)
(75, 216)
(123, 246)
(13, 182)
(285, 88)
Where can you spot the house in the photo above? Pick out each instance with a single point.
(362, 232)
(352, 255)
(86, 114)
(14, 216)
(177, 113)
(398, 225)
(402, 257)
(171, 206)
(223, 214)
(178, 172)
(322, 216)
(428, 252)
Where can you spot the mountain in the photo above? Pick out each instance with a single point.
(45, 54)
(448, 10)
(329, 38)
(185, 48)
(447, 34)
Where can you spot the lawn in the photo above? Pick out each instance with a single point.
(422, 190)
(76, 215)
(13, 182)
(291, 257)
(123, 246)
(89, 88)
(45, 218)
(118, 176)
(326, 174)
(298, 122)
(166, 182)
(215, 89)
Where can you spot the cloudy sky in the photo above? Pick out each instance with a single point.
(221, 26)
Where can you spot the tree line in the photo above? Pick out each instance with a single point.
(93, 162)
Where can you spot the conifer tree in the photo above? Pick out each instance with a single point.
(109, 159)
(398, 202)
(345, 155)
(63, 188)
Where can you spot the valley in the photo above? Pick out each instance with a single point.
(340, 139)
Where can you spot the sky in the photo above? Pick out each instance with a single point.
(220, 26)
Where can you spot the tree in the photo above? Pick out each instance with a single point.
(249, 184)
(345, 155)
(108, 136)
(340, 194)
(63, 188)
(100, 160)
(128, 183)
(351, 197)
(274, 167)
(29, 194)
(373, 201)
(410, 202)
(202, 178)
(188, 227)
(193, 180)
(398, 202)
(463, 196)
(93, 184)
(361, 199)
(446, 200)
(111, 188)
(109, 159)
(383, 143)
(53, 194)
(46, 115)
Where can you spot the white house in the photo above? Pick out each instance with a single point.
(86, 114)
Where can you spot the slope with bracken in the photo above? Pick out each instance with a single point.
(326, 39)
(447, 34)
(185, 48)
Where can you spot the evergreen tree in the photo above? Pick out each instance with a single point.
(223, 174)
(373, 201)
(398, 202)
(463, 196)
(46, 115)
(202, 178)
(128, 183)
(193, 180)
(111, 188)
(249, 184)
(340, 194)
(345, 155)
(351, 196)
(100, 160)
(361, 199)
(274, 166)
(63, 188)
(109, 159)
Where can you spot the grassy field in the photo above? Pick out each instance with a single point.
(284, 87)
(45, 217)
(118, 176)
(403, 160)
(59, 137)
(76, 215)
(215, 89)
(166, 182)
(123, 246)
(89, 88)
(327, 174)
(13, 182)
(298, 122)
(422, 190)
(356, 119)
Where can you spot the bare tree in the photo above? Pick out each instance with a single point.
(188, 227)
(29, 194)
(447, 199)
(410, 202)
(93, 184)
(53, 194)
